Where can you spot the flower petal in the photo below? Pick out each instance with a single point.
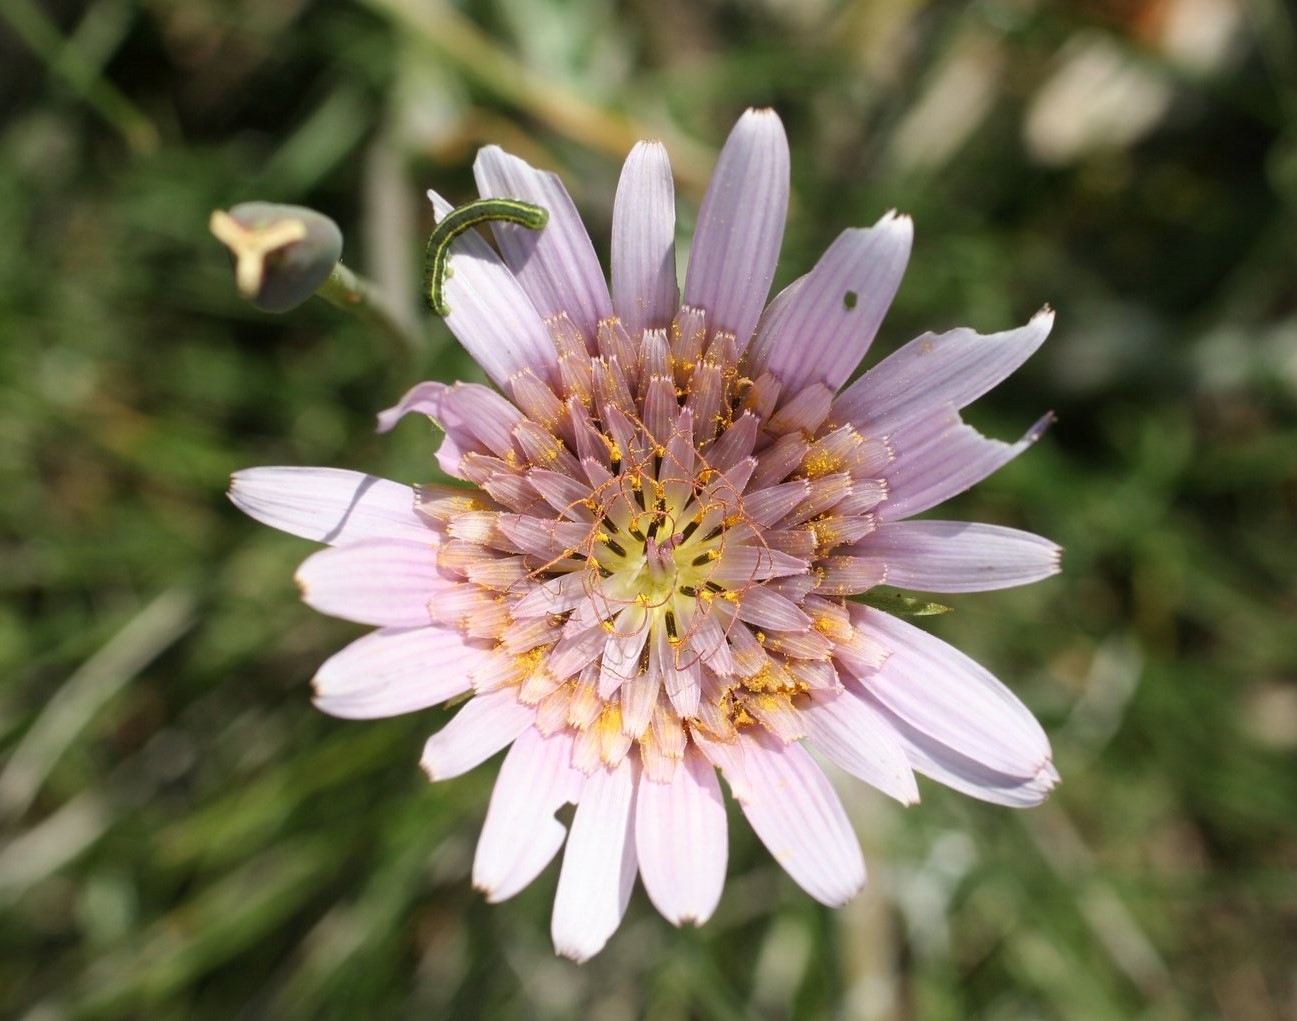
(950, 699)
(952, 368)
(741, 226)
(939, 456)
(329, 504)
(744, 565)
(934, 759)
(789, 803)
(645, 294)
(598, 866)
(484, 725)
(765, 607)
(681, 841)
(490, 314)
(385, 582)
(396, 670)
(856, 738)
(958, 556)
(475, 418)
(621, 651)
(822, 331)
(556, 266)
(521, 835)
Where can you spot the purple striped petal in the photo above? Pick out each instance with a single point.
(644, 290)
(741, 226)
(791, 806)
(556, 266)
(958, 556)
(953, 368)
(942, 763)
(765, 607)
(490, 314)
(856, 738)
(384, 582)
(743, 565)
(599, 864)
(939, 456)
(329, 504)
(396, 670)
(481, 728)
(951, 700)
(822, 330)
(475, 418)
(681, 841)
(521, 835)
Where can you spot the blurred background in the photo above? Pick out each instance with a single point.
(182, 835)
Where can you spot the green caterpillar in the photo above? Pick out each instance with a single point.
(457, 221)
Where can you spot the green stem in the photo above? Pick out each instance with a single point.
(359, 297)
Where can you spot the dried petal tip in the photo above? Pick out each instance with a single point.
(282, 254)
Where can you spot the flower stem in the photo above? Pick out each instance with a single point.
(359, 297)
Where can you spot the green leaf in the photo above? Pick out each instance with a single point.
(900, 605)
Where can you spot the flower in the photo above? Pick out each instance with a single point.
(282, 254)
(650, 578)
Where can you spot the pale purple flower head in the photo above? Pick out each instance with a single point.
(649, 574)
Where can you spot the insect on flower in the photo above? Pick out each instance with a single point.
(669, 507)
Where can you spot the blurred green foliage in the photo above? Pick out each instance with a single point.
(185, 837)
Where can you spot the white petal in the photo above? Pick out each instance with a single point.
(644, 290)
(681, 839)
(521, 835)
(379, 581)
(741, 226)
(490, 313)
(680, 671)
(789, 803)
(481, 728)
(329, 504)
(622, 650)
(952, 368)
(556, 266)
(856, 738)
(822, 331)
(396, 670)
(598, 866)
(952, 700)
(958, 556)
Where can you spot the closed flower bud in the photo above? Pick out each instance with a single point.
(282, 254)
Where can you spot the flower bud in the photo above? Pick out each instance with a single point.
(282, 254)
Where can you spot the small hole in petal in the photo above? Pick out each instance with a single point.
(849, 299)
